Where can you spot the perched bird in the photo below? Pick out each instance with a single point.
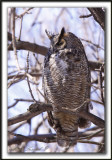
(66, 81)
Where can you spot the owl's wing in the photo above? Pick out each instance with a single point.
(46, 61)
(84, 123)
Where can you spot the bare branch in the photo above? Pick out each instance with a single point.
(19, 100)
(85, 16)
(92, 100)
(88, 41)
(25, 75)
(13, 104)
(90, 142)
(23, 100)
(91, 135)
(37, 108)
(20, 29)
(15, 80)
(96, 81)
(30, 90)
(34, 110)
(99, 16)
(18, 126)
(22, 45)
(36, 17)
(26, 11)
(39, 124)
(13, 38)
(95, 65)
(101, 86)
(101, 149)
(46, 138)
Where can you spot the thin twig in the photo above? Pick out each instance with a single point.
(101, 86)
(13, 38)
(13, 104)
(88, 41)
(101, 89)
(23, 100)
(20, 29)
(36, 17)
(85, 16)
(18, 126)
(30, 75)
(28, 78)
(90, 142)
(95, 101)
(92, 135)
(26, 11)
(46, 138)
(18, 100)
(41, 93)
(15, 81)
(96, 81)
(39, 124)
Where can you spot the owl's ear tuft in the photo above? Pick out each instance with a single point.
(63, 30)
(49, 34)
(61, 33)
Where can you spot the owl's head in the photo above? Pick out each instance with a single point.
(57, 41)
(63, 40)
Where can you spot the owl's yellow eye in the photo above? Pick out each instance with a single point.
(61, 43)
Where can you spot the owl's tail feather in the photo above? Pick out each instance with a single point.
(67, 138)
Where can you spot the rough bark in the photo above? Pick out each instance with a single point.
(99, 16)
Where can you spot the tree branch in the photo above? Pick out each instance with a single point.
(94, 119)
(42, 50)
(25, 75)
(95, 65)
(25, 12)
(37, 108)
(46, 138)
(22, 45)
(99, 16)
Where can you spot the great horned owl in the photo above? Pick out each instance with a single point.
(66, 80)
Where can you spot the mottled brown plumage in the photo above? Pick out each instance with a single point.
(66, 80)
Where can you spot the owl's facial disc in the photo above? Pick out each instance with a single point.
(60, 44)
(57, 41)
